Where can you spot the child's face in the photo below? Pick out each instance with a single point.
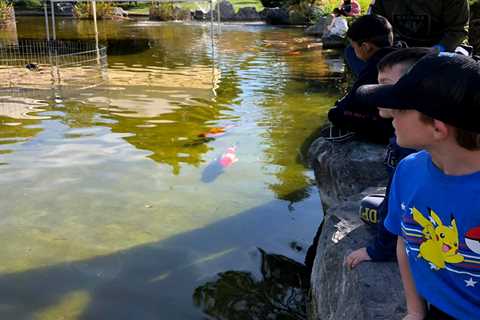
(360, 50)
(410, 130)
(390, 75)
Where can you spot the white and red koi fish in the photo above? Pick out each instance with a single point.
(216, 167)
(228, 158)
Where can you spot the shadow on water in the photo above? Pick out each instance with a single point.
(295, 196)
(145, 282)
(280, 294)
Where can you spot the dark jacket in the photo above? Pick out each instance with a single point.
(426, 23)
(383, 246)
(350, 114)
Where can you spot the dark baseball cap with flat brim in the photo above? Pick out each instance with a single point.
(442, 86)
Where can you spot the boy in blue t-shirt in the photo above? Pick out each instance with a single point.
(390, 69)
(434, 204)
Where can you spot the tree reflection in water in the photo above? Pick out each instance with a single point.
(236, 295)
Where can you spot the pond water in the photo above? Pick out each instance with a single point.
(112, 203)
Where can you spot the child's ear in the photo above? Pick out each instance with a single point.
(441, 130)
(366, 47)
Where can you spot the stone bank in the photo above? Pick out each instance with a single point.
(345, 173)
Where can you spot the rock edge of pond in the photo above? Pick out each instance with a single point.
(345, 173)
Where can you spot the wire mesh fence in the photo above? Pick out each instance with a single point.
(38, 65)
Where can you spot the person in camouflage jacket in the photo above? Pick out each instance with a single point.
(442, 24)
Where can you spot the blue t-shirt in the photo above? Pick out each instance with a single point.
(438, 217)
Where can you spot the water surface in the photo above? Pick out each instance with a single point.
(104, 214)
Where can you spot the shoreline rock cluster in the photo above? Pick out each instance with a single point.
(275, 16)
(345, 173)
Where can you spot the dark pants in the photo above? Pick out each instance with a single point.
(436, 314)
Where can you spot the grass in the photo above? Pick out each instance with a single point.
(28, 4)
(237, 4)
(326, 5)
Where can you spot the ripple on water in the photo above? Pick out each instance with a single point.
(107, 193)
(22, 108)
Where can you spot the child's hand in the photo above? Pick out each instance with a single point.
(357, 257)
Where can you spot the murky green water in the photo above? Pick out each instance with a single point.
(107, 208)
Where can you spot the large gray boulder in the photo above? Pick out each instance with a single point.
(370, 291)
(199, 15)
(318, 29)
(276, 16)
(227, 12)
(247, 14)
(346, 169)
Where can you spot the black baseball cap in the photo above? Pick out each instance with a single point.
(443, 86)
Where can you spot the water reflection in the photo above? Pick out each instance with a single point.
(145, 281)
(19, 121)
(8, 34)
(103, 202)
(279, 294)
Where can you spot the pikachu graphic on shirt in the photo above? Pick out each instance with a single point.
(440, 243)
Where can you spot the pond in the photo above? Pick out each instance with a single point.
(114, 205)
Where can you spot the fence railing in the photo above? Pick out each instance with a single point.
(43, 64)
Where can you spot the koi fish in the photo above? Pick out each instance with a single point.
(214, 132)
(294, 53)
(228, 158)
(314, 45)
(217, 167)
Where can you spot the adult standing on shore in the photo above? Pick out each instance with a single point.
(350, 8)
(442, 24)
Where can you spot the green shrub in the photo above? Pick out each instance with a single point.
(6, 12)
(273, 3)
(163, 11)
(83, 10)
(167, 11)
(28, 4)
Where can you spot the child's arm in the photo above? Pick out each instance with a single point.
(415, 303)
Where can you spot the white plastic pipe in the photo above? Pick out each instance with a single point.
(94, 12)
(45, 11)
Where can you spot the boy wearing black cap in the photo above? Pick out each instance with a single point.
(371, 37)
(434, 204)
(390, 69)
